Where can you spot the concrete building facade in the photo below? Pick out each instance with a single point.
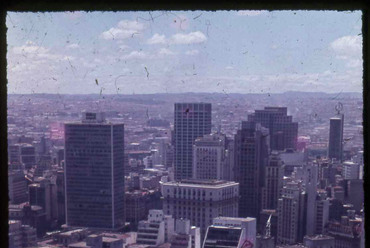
(209, 157)
(200, 200)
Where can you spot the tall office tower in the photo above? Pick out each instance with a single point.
(283, 131)
(230, 160)
(230, 232)
(17, 185)
(354, 193)
(251, 157)
(336, 138)
(321, 212)
(291, 214)
(28, 156)
(310, 182)
(43, 193)
(192, 120)
(94, 173)
(200, 200)
(60, 198)
(274, 174)
(14, 153)
(209, 157)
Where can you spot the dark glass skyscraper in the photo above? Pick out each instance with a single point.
(94, 173)
(336, 138)
(192, 120)
(251, 157)
(283, 131)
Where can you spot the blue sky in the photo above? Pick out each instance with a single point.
(187, 51)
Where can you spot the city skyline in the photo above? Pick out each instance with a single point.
(189, 129)
(177, 52)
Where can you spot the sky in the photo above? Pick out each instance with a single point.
(184, 51)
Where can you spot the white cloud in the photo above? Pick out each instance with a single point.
(354, 63)
(131, 25)
(73, 46)
(136, 55)
(190, 38)
(125, 29)
(29, 48)
(157, 39)
(192, 52)
(348, 48)
(250, 12)
(123, 47)
(229, 67)
(165, 51)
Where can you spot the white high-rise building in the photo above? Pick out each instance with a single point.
(351, 170)
(186, 236)
(291, 214)
(209, 157)
(157, 230)
(231, 232)
(200, 200)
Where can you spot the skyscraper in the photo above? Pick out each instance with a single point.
(336, 138)
(274, 173)
(283, 131)
(209, 157)
(192, 120)
(200, 200)
(94, 173)
(291, 214)
(251, 156)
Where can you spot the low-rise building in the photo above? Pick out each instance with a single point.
(231, 232)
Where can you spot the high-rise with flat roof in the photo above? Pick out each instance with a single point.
(200, 200)
(209, 157)
(94, 173)
(274, 174)
(192, 120)
(251, 157)
(291, 214)
(283, 131)
(336, 138)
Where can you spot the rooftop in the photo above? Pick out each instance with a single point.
(235, 218)
(81, 244)
(202, 183)
(318, 237)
